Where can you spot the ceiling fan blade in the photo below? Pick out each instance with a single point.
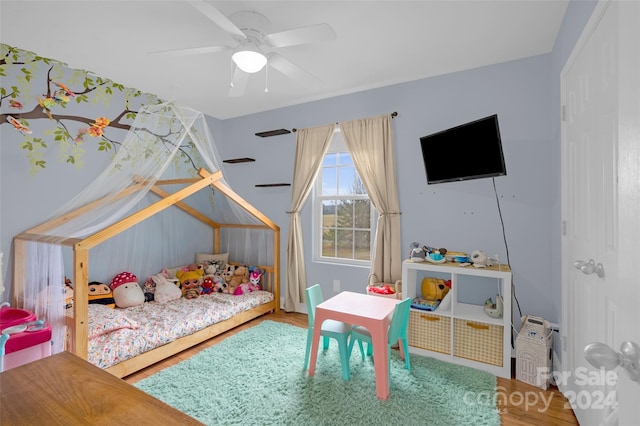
(190, 51)
(304, 35)
(293, 71)
(217, 17)
(238, 83)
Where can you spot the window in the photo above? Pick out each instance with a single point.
(343, 214)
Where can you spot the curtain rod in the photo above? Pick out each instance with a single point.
(393, 115)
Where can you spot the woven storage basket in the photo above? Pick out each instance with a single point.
(478, 341)
(373, 282)
(431, 332)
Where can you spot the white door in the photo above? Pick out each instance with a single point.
(601, 211)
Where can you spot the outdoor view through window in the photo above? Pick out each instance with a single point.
(345, 211)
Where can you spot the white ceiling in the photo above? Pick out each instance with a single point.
(378, 43)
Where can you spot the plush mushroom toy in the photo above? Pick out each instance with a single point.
(126, 290)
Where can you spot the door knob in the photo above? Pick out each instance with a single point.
(579, 264)
(589, 267)
(604, 356)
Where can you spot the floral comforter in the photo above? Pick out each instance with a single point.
(116, 335)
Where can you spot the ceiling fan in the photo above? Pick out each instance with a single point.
(252, 50)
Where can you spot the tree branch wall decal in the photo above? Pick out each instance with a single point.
(35, 89)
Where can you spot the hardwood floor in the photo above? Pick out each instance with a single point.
(519, 403)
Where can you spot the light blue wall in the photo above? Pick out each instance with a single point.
(459, 216)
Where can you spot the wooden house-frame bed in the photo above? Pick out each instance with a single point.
(77, 321)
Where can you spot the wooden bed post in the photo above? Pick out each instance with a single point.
(19, 270)
(216, 240)
(80, 334)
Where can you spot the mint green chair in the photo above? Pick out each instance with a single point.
(3, 340)
(330, 329)
(397, 333)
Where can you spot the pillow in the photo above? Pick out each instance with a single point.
(171, 272)
(103, 320)
(210, 257)
(213, 267)
(202, 259)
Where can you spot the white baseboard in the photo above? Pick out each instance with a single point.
(300, 308)
(557, 366)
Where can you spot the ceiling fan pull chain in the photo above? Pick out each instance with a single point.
(231, 74)
(266, 79)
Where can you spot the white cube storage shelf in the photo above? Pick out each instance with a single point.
(463, 333)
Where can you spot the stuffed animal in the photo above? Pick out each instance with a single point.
(253, 285)
(126, 290)
(223, 287)
(480, 259)
(165, 290)
(228, 273)
(68, 293)
(190, 281)
(240, 276)
(219, 285)
(101, 294)
(254, 280)
(241, 289)
(214, 267)
(208, 284)
(435, 288)
(149, 288)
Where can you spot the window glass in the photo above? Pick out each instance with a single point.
(343, 212)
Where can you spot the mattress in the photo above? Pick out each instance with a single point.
(116, 335)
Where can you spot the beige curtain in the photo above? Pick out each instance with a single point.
(370, 143)
(311, 146)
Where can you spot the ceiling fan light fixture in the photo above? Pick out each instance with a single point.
(249, 59)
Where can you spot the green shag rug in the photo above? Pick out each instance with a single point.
(255, 377)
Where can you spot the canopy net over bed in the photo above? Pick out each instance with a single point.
(162, 184)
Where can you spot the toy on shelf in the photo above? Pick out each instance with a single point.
(435, 255)
(424, 304)
(433, 290)
(426, 253)
(494, 310)
(480, 259)
(417, 253)
(457, 257)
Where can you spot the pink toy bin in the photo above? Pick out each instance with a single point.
(22, 347)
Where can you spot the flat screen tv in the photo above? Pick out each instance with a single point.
(469, 151)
